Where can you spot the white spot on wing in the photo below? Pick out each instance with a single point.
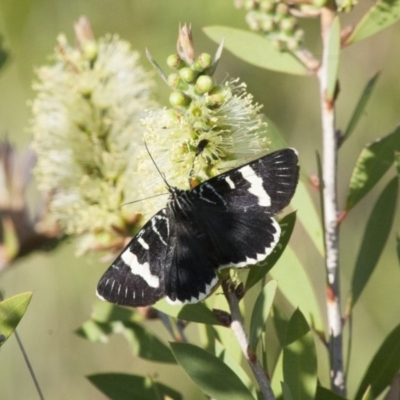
(229, 181)
(256, 185)
(143, 243)
(142, 270)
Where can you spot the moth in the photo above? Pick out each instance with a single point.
(224, 222)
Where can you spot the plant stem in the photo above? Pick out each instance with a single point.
(29, 365)
(237, 327)
(330, 150)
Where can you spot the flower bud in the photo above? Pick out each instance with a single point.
(187, 74)
(204, 83)
(178, 99)
(173, 61)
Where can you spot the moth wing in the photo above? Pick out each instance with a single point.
(191, 276)
(137, 276)
(268, 182)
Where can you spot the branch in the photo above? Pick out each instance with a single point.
(237, 327)
(330, 150)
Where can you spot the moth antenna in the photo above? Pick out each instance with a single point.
(200, 147)
(161, 174)
(146, 198)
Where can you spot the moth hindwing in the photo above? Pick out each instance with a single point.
(224, 222)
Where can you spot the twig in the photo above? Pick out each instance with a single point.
(330, 150)
(237, 327)
(28, 364)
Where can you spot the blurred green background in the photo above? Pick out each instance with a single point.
(64, 285)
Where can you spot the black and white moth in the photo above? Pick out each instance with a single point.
(224, 222)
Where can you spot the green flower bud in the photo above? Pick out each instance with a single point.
(282, 9)
(205, 60)
(288, 24)
(173, 61)
(90, 50)
(178, 99)
(173, 80)
(268, 24)
(187, 74)
(216, 97)
(267, 6)
(204, 83)
(319, 3)
(299, 35)
(293, 44)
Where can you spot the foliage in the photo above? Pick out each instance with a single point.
(284, 334)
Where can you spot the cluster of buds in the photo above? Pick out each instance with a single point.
(274, 18)
(209, 128)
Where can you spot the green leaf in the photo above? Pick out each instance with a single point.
(255, 49)
(398, 247)
(326, 394)
(299, 359)
(332, 58)
(302, 200)
(375, 236)
(296, 286)
(261, 310)
(209, 373)
(104, 311)
(11, 312)
(287, 394)
(94, 331)
(198, 312)
(257, 272)
(383, 366)
(360, 107)
(4, 55)
(117, 386)
(380, 16)
(373, 162)
(227, 358)
(144, 343)
(368, 394)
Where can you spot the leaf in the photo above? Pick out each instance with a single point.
(296, 286)
(380, 16)
(302, 200)
(373, 162)
(359, 110)
(332, 58)
(209, 373)
(261, 310)
(257, 272)
(104, 311)
(383, 367)
(94, 331)
(119, 386)
(287, 394)
(255, 49)
(4, 54)
(198, 312)
(299, 359)
(368, 394)
(227, 358)
(398, 247)
(144, 343)
(326, 394)
(11, 312)
(375, 236)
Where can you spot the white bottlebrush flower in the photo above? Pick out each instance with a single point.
(86, 129)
